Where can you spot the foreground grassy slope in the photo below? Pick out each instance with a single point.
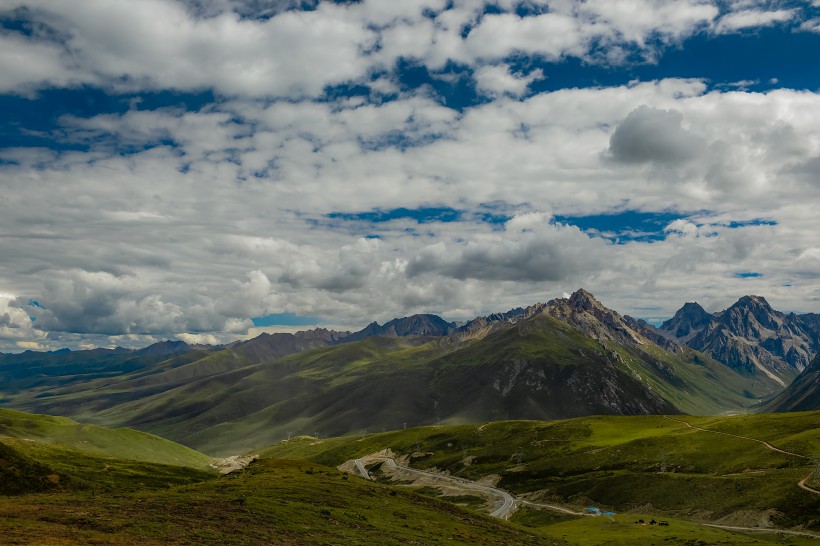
(650, 464)
(272, 502)
(291, 502)
(67, 496)
(53, 493)
(33, 467)
(119, 443)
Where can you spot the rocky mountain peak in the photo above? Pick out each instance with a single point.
(419, 325)
(687, 322)
(582, 299)
(752, 307)
(692, 309)
(163, 348)
(582, 311)
(756, 305)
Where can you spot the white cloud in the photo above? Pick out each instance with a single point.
(188, 223)
(497, 80)
(158, 44)
(636, 20)
(15, 324)
(648, 134)
(551, 34)
(812, 25)
(529, 250)
(753, 18)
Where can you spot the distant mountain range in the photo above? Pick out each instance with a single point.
(565, 358)
(749, 337)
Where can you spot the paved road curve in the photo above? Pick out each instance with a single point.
(502, 510)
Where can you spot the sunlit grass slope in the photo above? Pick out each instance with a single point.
(33, 467)
(627, 463)
(119, 443)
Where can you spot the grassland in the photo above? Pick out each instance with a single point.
(89, 490)
(643, 465)
(119, 443)
(65, 495)
(271, 502)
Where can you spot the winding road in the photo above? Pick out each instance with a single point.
(507, 503)
(503, 509)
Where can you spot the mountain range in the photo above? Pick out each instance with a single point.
(565, 358)
(750, 337)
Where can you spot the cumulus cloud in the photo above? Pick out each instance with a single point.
(649, 134)
(812, 25)
(160, 44)
(235, 47)
(529, 249)
(15, 324)
(167, 222)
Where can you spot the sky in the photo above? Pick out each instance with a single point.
(205, 170)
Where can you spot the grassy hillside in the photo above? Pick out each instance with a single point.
(644, 464)
(273, 502)
(33, 467)
(694, 383)
(375, 383)
(299, 503)
(118, 443)
(66, 496)
(803, 394)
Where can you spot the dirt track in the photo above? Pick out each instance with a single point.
(801, 484)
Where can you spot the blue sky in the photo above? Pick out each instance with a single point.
(208, 170)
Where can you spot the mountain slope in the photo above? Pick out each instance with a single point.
(802, 395)
(569, 357)
(538, 368)
(694, 383)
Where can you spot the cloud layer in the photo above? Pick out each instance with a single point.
(172, 221)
